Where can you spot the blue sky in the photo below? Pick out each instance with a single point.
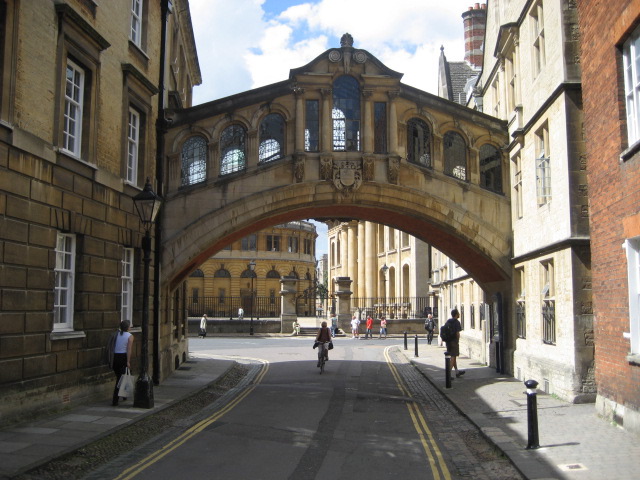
(245, 44)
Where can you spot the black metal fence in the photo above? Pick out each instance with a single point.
(228, 307)
(394, 307)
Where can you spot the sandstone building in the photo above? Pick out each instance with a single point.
(531, 78)
(223, 283)
(82, 86)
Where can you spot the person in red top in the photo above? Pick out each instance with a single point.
(324, 337)
(369, 333)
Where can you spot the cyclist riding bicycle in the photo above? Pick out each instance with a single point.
(323, 338)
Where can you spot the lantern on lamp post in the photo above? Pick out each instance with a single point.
(147, 205)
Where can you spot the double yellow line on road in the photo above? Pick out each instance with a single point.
(134, 470)
(436, 461)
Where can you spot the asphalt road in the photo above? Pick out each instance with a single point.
(368, 416)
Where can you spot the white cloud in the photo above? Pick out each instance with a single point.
(241, 46)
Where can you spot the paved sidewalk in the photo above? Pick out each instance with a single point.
(574, 442)
(28, 445)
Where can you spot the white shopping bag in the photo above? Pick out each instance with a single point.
(126, 385)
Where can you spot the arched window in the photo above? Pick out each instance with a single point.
(197, 273)
(294, 274)
(455, 155)
(346, 114)
(194, 161)
(419, 142)
(490, 168)
(271, 138)
(273, 274)
(222, 273)
(233, 149)
(248, 274)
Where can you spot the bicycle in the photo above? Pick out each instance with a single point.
(323, 353)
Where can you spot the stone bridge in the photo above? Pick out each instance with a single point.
(341, 138)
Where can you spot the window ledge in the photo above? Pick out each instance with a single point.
(634, 359)
(67, 335)
(630, 152)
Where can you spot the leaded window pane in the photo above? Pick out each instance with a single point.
(418, 142)
(490, 168)
(73, 107)
(380, 127)
(271, 138)
(312, 126)
(233, 149)
(346, 114)
(455, 155)
(194, 161)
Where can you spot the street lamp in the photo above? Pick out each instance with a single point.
(147, 205)
(252, 268)
(384, 288)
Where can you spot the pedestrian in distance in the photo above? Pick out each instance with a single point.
(429, 326)
(203, 326)
(452, 339)
(383, 328)
(334, 325)
(355, 326)
(369, 333)
(296, 329)
(240, 314)
(120, 348)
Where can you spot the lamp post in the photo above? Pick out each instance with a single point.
(384, 288)
(252, 269)
(147, 205)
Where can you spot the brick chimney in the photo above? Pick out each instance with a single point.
(475, 22)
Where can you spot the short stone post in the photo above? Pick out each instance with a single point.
(343, 294)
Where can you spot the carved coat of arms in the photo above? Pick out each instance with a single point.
(347, 175)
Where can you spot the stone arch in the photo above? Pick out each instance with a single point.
(479, 241)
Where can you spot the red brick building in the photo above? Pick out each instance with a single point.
(610, 57)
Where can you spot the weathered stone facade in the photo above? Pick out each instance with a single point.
(531, 78)
(73, 78)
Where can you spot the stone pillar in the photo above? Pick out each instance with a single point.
(288, 291)
(299, 136)
(368, 122)
(343, 296)
(393, 123)
(361, 281)
(352, 239)
(370, 260)
(327, 124)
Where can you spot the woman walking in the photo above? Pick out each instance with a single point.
(121, 355)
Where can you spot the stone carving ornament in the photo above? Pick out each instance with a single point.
(347, 175)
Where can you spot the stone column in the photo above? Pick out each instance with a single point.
(288, 290)
(344, 251)
(327, 125)
(393, 123)
(299, 136)
(368, 122)
(361, 281)
(352, 239)
(343, 296)
(370, 268)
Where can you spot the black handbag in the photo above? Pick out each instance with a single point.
(315, 344)
(330, 346)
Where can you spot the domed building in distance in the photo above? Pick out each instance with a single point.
(246, 274)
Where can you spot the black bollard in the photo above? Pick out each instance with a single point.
(405, 341)
(447, 368)
(416, 355)
(532, 414)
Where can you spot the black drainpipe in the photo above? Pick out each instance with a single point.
(166, 6)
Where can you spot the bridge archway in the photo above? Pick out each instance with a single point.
(341, 138)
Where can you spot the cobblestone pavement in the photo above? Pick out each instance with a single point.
(468, 452)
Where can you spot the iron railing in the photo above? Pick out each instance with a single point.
(549, 322)
(227, 307)
(521, 319)
(393, 307)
